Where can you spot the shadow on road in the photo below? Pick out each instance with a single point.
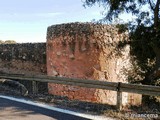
(14, 110)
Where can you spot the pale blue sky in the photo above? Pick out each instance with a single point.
(27, 20)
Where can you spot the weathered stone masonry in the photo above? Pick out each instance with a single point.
(87, 51)
(75, 50)
(24, 58)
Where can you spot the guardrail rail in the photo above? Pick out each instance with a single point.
(119, 87)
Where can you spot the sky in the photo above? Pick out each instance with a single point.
(27, 20)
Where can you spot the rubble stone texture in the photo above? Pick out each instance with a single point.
(87, 51)
(23, 58)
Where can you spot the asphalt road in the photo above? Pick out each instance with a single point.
(12, 110)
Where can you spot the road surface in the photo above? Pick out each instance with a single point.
(12, 110)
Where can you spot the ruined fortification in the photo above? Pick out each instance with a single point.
(87, 51)
(24, 58)
(74, 50)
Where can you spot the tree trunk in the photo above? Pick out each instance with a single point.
(151, 78)
(155, 73)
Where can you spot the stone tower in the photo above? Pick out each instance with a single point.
(87, 51)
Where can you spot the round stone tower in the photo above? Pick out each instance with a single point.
(86, 51)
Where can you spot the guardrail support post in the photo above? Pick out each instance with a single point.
(119, 97)
(34, 87)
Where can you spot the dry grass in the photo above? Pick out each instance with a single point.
(123, 115)
(88, 107)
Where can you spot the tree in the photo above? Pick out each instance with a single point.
(144, 31)
(10, 42)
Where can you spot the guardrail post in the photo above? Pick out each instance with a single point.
(34, 87)
(119, 97)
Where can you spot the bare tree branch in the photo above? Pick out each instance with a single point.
(156, 14)
(150, 3)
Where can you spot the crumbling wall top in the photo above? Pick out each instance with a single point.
(78, 28)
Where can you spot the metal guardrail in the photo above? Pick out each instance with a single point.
(119, 87)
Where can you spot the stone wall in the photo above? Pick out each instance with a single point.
(87, 51)
(74, 50)
(24, 58)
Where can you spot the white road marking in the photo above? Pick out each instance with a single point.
(88, 116)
